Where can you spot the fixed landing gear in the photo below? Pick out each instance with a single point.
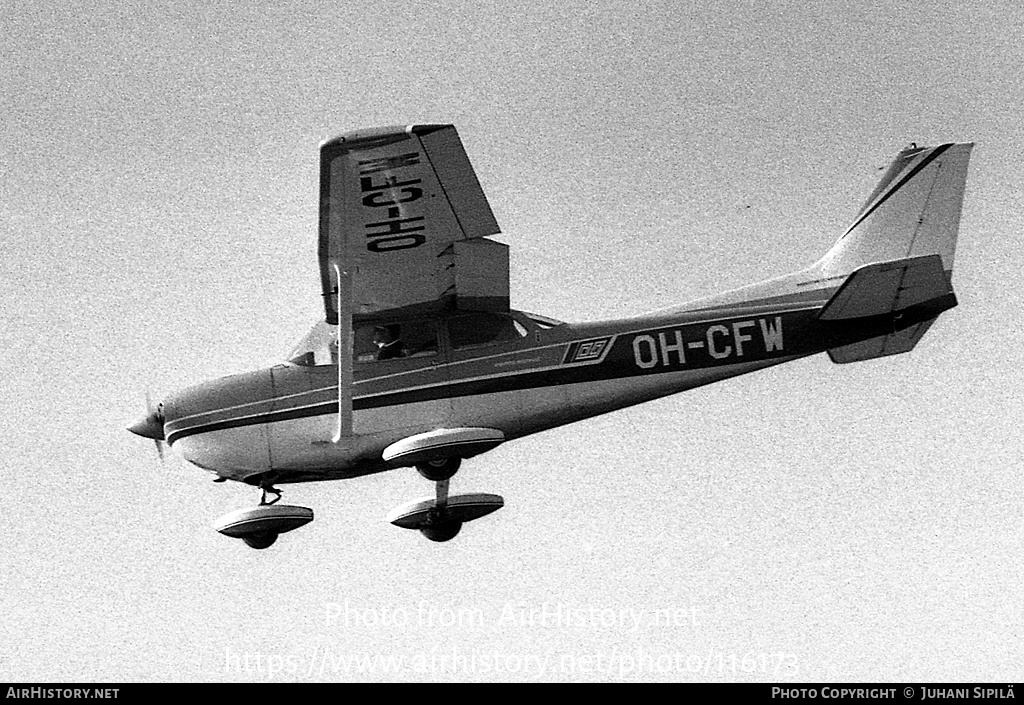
(441, 518)
(439, 469)
(264, 539)
(269, 489)
(444, 530)
(260, 526)
(437, 455)
(440, 525)
(261, 540)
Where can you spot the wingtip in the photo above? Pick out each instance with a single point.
(365, 136)
(383, 134)
(426, 129)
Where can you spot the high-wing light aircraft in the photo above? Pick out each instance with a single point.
(434, 367)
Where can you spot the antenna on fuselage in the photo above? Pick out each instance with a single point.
(344, 428)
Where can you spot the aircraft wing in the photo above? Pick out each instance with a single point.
(403, 215)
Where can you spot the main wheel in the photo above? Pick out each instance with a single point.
(259, 541)
(442, 531)
(438, 470)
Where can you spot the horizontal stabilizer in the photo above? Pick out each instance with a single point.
(883, 288)
(892, 344)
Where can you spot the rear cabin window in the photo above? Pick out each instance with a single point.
(479, 329)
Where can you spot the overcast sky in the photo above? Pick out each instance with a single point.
(158, 206)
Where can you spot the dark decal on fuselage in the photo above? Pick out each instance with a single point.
(396, 232)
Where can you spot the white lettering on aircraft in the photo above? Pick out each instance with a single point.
(721, 342)
(772, 334)
(716, 352)
(645, 359)
(676, 347)
(738, 337)
(590, 350)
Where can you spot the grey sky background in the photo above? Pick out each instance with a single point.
(810, 522)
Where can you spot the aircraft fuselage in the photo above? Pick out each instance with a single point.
(278, 423)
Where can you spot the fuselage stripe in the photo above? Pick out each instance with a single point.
(504, 381)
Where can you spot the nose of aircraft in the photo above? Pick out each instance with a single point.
(150, 426)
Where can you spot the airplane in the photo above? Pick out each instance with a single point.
(435, 368)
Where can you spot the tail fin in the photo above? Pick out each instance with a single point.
(897, 256)
(913, 212)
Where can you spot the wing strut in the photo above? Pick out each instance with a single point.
(344, 279)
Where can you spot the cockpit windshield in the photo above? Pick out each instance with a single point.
(318, 347)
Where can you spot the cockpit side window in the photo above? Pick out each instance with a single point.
(389, 341)
(371, 342)
(479, 329)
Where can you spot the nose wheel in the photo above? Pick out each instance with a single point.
(260, 526)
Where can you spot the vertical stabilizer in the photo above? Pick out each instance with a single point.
(913, 212)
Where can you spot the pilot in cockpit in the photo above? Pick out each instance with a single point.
(388, 340)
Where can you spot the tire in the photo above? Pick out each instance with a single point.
(439, 470)
(442, 531)
(260, 541)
